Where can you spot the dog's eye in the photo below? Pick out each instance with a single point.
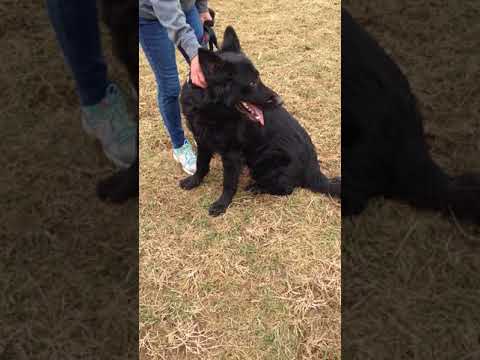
(252, 84)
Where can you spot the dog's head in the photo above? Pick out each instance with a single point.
(231, 75)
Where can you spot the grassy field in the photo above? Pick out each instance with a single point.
(262, 281)
(410, 278)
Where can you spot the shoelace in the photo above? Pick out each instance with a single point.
(188, 153)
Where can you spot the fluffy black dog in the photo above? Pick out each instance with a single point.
(241, 119)
(384, 152)
(121, 18)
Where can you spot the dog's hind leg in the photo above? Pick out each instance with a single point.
(281, 186)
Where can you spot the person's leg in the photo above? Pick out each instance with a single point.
(160, 53)
(104, 111)
(76, 27)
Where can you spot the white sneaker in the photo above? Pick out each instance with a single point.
(186, 157)
(110, 123)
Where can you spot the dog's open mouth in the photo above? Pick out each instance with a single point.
(253, 112)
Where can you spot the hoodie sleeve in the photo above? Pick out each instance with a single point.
(202, 6)
(169, 13)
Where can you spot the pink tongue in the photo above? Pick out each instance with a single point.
(258, 116)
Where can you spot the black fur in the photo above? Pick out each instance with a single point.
(280, 155)
(384, 152)
(121, 18)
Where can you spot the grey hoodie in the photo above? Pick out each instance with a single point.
(170, 14)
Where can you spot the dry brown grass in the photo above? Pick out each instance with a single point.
(409, 278)
(262, 281)
(67, 261)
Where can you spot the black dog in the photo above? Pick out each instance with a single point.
(384, 152)
(121, 18)
(241, 119)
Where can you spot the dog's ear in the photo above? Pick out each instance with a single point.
(210, 62)
(230, 40)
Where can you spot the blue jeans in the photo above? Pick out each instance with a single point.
(160, 52)
(76, 26)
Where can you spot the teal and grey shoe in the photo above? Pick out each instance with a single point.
(110, 122)
(186, 157)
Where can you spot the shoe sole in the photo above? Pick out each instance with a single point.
(119, 163)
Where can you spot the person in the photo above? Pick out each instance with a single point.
(163, 26)
(103, 105)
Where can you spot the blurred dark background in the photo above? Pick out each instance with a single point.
(68, 262)
(410, 278)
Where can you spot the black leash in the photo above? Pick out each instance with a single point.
(209, 37)
(209, 34)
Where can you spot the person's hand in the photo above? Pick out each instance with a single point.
(196, 73)
(205, 16)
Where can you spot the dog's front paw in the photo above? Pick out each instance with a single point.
(217, 208)
(119, 187)
(189, 182)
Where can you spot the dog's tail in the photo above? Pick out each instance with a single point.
(427, 186)
(321, 184)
